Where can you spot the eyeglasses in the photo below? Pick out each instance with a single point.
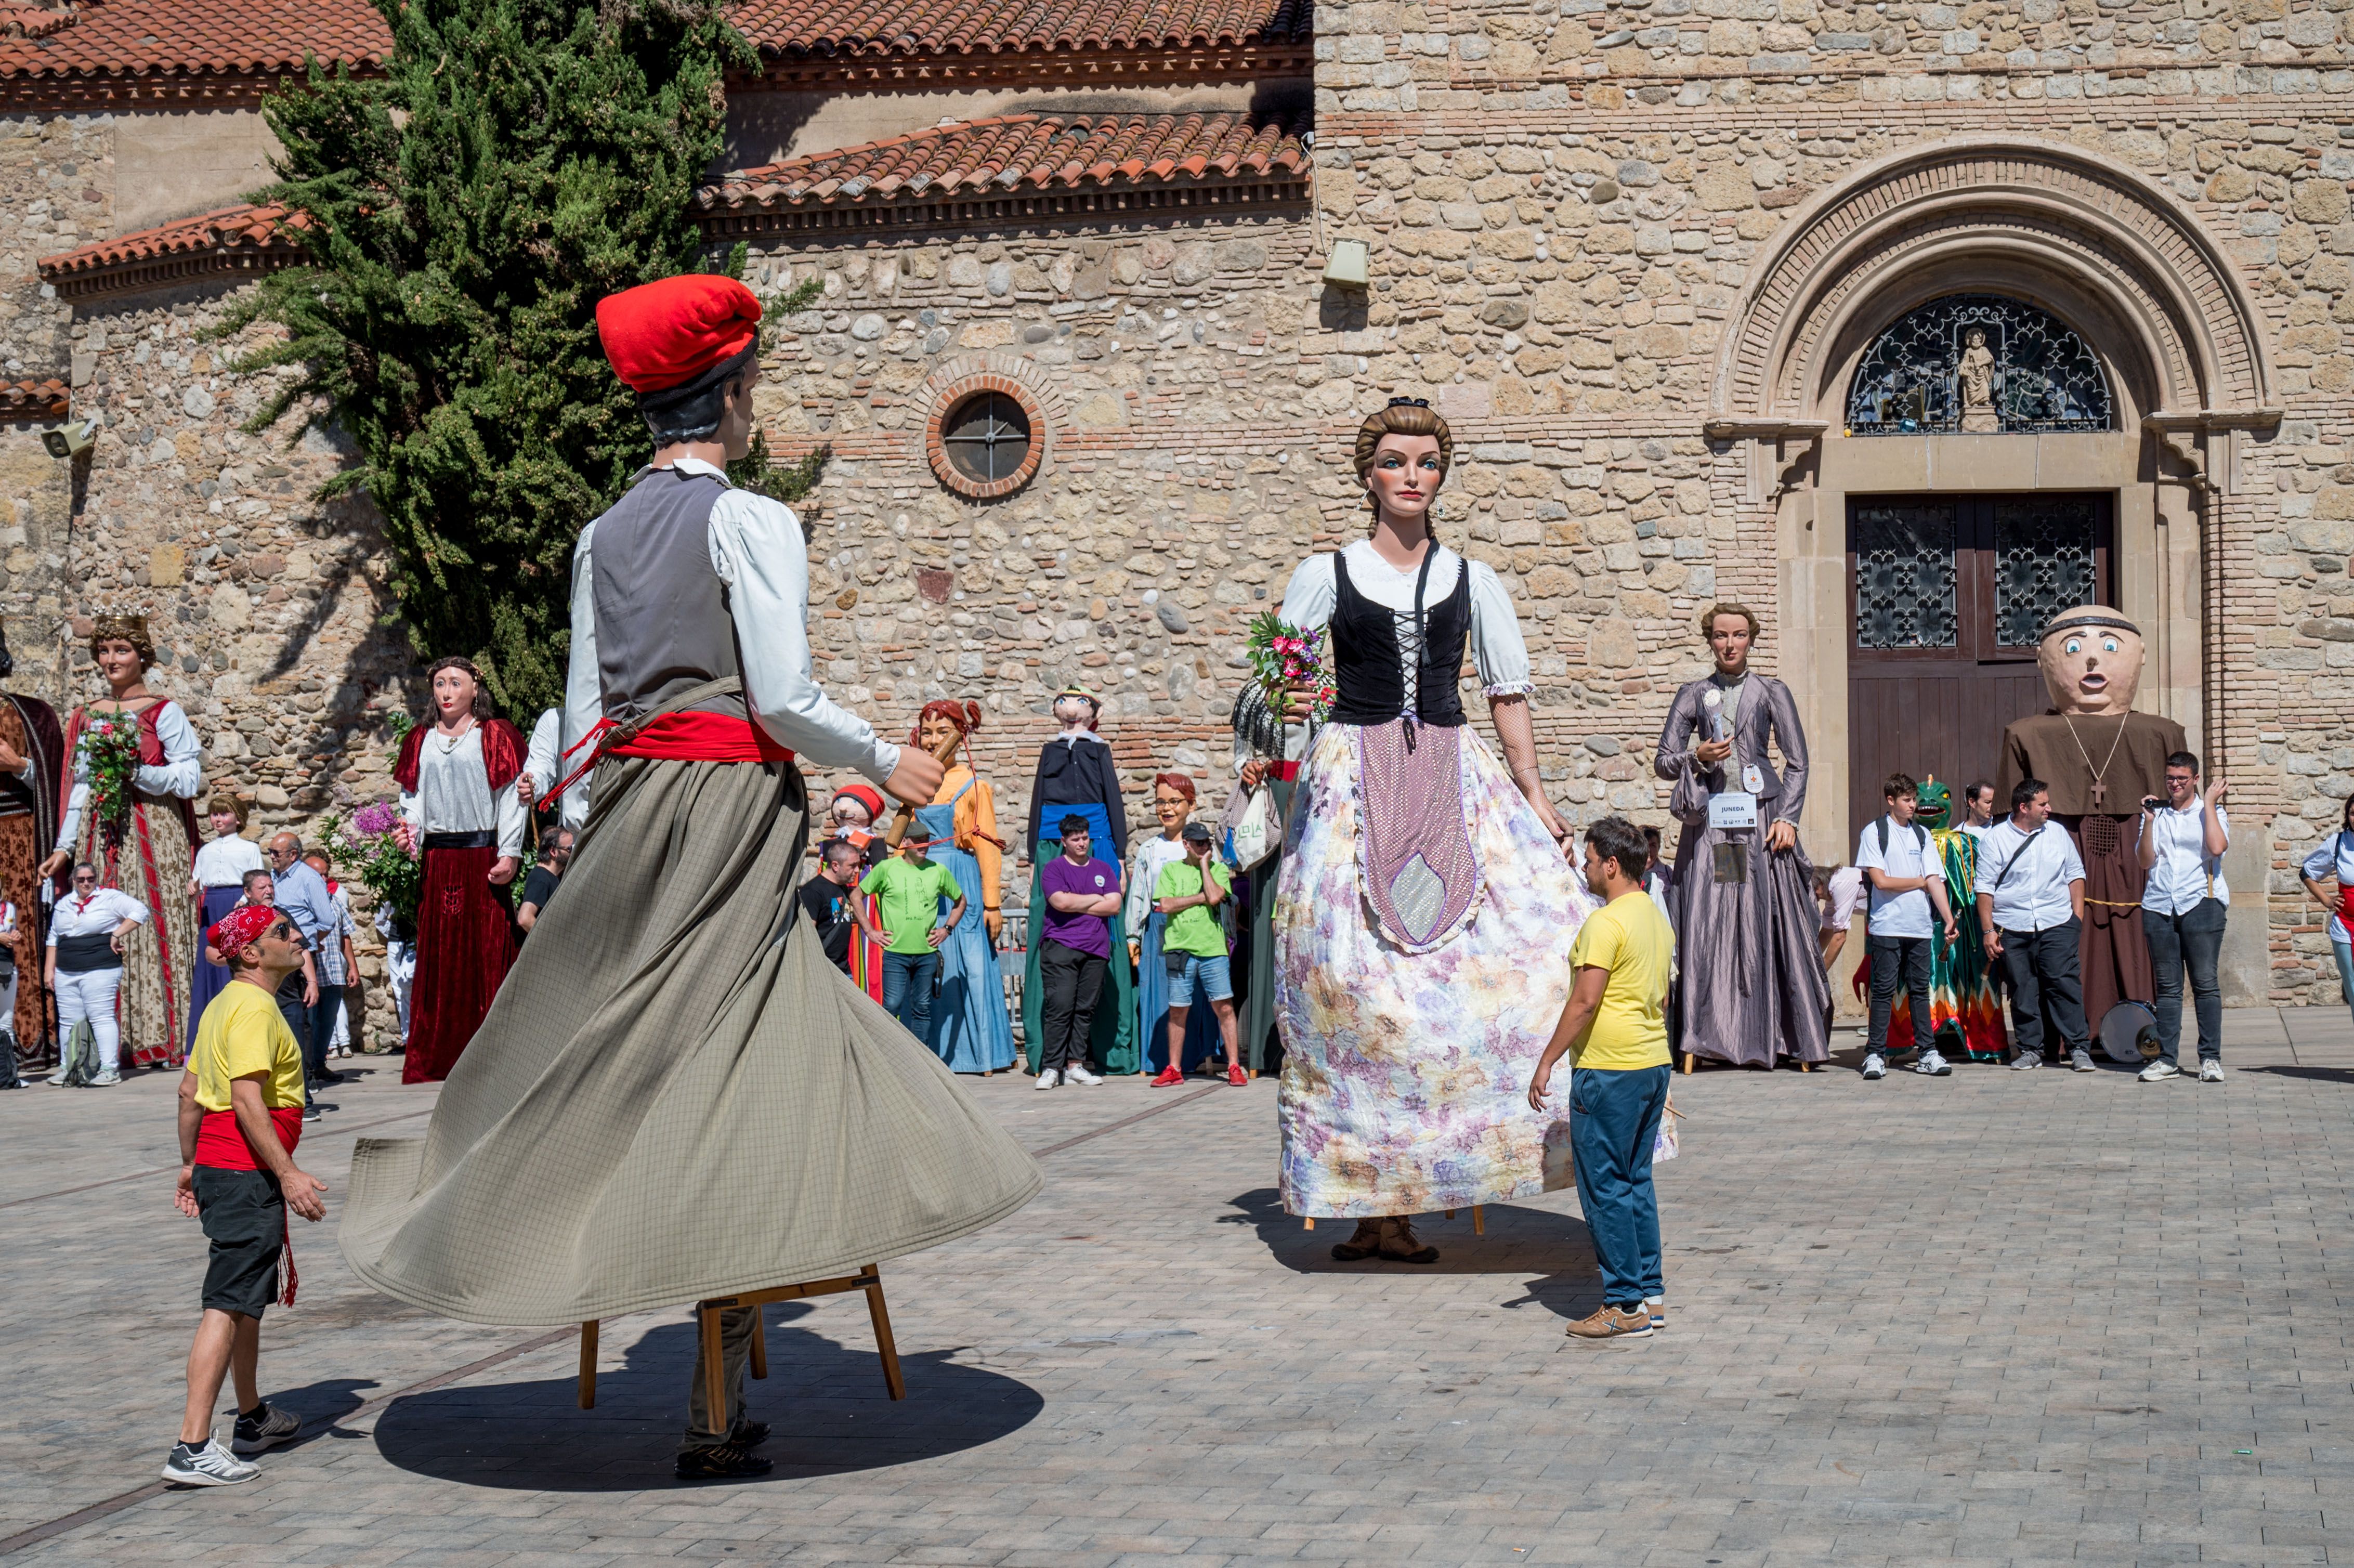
(87, 876)
(1409, 403)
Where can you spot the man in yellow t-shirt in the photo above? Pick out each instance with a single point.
(241, 1105)
(1614, 1028)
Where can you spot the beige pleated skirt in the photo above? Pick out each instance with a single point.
(675, 1094)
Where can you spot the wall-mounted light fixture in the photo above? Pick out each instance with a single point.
(1348, 264)
(70, 440)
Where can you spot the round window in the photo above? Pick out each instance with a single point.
(987, 438)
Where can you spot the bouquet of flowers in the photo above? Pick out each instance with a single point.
(367, 848)
(109, 747)
(1283, 658)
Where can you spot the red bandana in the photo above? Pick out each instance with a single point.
(235, 931)
(866, 797)
(663, 335)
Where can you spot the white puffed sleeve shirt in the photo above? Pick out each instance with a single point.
(757, 549)
(453, 794)
(1498, 650)
(181, 773)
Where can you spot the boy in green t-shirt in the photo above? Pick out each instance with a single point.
(910, 889)
(1194, 948)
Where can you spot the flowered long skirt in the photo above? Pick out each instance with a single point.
(1404, 1073)
(152, 863)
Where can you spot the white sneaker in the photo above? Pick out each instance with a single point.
(1875, 1065)
(104, 1079)
(2211, 1071)
(1046, 1079)
(1933, 1065)
(58, 1082)
(2157, 1072)
(210, 1466)
(1078, 1074)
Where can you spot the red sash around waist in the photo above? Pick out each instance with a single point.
(221, 1144)
(675, 738)
(2346, 909)
(1286, 771)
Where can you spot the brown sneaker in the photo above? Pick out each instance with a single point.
(1614, 1323)
(1362, 1246)
(1400, 1245)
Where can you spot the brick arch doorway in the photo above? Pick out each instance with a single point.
(1946, 594)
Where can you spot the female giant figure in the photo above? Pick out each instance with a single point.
(1426, 910)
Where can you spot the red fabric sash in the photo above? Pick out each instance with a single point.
(1286, 771)
(2346, 908)
(674, 738)
(220, 1143)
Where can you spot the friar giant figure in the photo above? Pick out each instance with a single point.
(2100, 759)
(32, 755)
(1750, 974)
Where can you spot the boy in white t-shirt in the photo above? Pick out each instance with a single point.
(1907, 877)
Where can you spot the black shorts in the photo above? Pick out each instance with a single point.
(244, 1213)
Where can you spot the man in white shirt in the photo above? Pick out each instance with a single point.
(2183, 905)
(1907, 875)
(2031, 891)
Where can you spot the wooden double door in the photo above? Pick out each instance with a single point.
(1945, 597)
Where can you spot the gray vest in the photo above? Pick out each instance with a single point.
(663, 622)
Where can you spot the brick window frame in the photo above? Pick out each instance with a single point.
(954, 397)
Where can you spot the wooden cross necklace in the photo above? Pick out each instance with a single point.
(2100, 789)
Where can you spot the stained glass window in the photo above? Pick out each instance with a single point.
(1904, 577)
(2043, 564)
(1971, 362)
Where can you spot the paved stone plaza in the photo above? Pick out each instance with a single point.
(2000, 1319)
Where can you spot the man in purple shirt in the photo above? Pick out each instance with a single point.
(1080, 891)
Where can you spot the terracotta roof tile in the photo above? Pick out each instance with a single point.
(135, 36)
(1015, 152)
(131, 38)
(997, 26)
(242, 238)
(21, 401)
(25, 19)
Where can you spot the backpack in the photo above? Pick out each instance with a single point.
(1920, 835)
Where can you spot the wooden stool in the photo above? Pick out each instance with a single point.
(707, 1318)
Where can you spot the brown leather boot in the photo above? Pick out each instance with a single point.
(1400, 1245)
(1362, 1246)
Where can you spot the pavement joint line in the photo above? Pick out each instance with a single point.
(33, 1535)
(166, 1169)
(1127, 1121)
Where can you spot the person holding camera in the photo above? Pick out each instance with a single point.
(2183, 905)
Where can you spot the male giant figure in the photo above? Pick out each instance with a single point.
(675, 1096)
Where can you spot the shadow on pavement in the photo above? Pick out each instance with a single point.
(2318, 1075)
(826, 1403)
(1521, 1241)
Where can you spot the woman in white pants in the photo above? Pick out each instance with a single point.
(85, 964)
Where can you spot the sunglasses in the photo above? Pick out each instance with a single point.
(1409, 403)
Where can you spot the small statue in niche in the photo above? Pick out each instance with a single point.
(1974, 376)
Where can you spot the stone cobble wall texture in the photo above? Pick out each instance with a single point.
(1566, 201)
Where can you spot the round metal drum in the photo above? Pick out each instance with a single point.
(2129, 1034)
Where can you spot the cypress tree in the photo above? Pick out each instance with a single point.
(462, 215)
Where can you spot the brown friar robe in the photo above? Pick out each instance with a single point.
(2121, 762)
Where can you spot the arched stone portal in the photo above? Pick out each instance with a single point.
(2068, 233)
